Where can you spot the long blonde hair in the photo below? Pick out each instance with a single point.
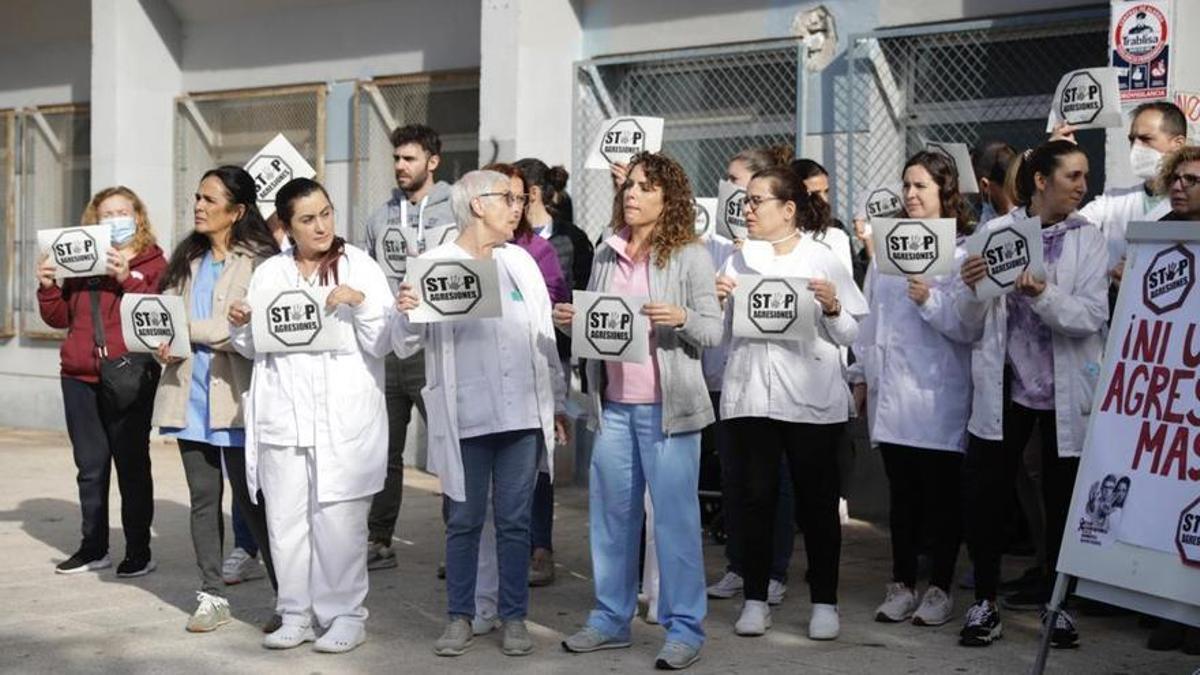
(143, 237)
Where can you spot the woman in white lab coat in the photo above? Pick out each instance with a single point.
(914, 375)
(789, 398)
(495, 395)
(316, 428)
(1035, 365)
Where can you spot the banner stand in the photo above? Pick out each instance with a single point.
(1112, 590)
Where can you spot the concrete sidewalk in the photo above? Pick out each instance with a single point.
(97, 623)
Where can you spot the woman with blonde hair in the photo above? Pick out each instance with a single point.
(108, 415)
(649, 415)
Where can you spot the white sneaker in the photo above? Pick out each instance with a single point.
(289, 635)
(211, 613)
(824, 623)
(755, 618)
(936, 608)
(730, 585)
(482, 625)
(240, 566)
(775, 592)
(341, 637)
(898, 605)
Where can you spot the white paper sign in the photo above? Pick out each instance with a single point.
(293, 320)
(960, 154)
(395, 244)
(910, 246)
(621, 138)
(1087, 99)
(451, 290)
(731, 219)
(1009, 246)
(706, 215)
(148, 321)
(775, 308)
(276, 164)
(885, 201)
(80, 251)
(610, 328)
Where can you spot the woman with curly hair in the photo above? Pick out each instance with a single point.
(649, 415)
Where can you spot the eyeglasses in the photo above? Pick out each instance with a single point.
(751, 203)
(1190, 180)
(509, 198)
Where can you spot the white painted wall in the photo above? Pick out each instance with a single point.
(932, 11)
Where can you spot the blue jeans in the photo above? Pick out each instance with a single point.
(630, 452)
(508, 462)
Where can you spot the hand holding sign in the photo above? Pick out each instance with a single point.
(621, 138)
(77, 251)
(1086, 99)
(293, 320)
(1001, 253)
(155, 324)
(608, 327)
(780, 308)
(911, 246)
(450, 290)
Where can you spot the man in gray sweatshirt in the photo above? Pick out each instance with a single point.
(415, 219)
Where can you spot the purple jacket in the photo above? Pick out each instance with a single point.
(547, 260)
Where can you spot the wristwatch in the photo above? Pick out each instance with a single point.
(837, 309)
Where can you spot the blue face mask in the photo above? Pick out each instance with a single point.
(123, 229)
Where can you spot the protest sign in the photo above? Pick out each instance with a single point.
(1139, 43)
(885, 201)
(1009, 246)
(80, 251)
(1087, 99)
(731, 218)
(148, 321)
(621, 138)
(706, 215)
(960, 155)
(912, 246)
(277, 163)
(451, 290)
(289, 319)
(610, 328)
(777, 308)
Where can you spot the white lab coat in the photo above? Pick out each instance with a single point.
(1075, 307)
(441, 400)
(1115, 209)
(916, 362)
(790, 380)
(350, 416)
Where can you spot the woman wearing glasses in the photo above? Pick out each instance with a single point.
(495, 397)
(1180, 181)
(788, 398)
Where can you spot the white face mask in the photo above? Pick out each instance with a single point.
(123, 228)
(1145, 161)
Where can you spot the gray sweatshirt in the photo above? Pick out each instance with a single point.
(434, 216)
(689, 281)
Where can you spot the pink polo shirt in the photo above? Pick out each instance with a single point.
(631, 382)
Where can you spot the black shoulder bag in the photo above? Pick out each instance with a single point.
(126, 380)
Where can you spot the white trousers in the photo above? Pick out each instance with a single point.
(320, 560)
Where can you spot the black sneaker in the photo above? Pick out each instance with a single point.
(136, 566)
(982, 626)
(1064, 634)
(83, 561)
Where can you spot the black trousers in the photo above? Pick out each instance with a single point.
(402, 390)
(924, 488)
(101, 438)
(989, 473)
(811, 451)
(202, 467)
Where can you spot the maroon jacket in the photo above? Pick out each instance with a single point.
(69, 306)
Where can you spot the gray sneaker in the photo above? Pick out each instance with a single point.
(456, 639)
(590, 639)
(212, 613)
(676, 656)
(516, 639)
(380, 556)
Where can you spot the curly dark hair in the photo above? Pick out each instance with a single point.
(676, 226)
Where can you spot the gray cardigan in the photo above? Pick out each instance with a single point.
(689, 281)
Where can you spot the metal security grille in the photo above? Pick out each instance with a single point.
(716, 101)
(967, 83)
(8, 221)
(55, 177)
(446, 101)
(217, 128)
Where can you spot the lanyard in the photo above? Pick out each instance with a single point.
(420, 220)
